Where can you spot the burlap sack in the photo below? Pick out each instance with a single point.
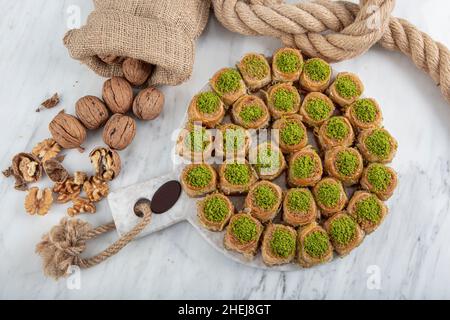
(160, 32)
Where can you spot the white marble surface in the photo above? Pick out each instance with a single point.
(410, 251)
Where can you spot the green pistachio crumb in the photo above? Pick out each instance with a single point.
(337, 129)
(237, 174)
(379, 177)
(317, 70)
(215, 209)
(256, 67)
(282, 243)
(268, 160)
(317, 244)
(229, 81)
(244, 229)
(251, 113)
(197, 140)
(208, 102)
(368, 209)
(318, 109)
(233, 139)
(199, 176)
(347, 88)
(299, 200)
(365, 110)
(304, 167)
(329, 194)
(379, 143)
(292, 133)
(284, 100)
(265, 197)
(343, 230)
(288, 62)
(347, 163)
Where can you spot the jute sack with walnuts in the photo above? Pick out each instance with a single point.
(160, 32)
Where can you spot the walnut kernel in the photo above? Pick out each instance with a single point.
(47, 149)
(106, 163)
(38, 201)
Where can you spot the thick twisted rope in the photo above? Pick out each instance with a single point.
(338, 30)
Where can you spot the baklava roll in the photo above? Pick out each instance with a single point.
(228, 84)
(316, 75)
(346, 89)
(305, 168)
(215, 211)
(316, 109)
(207, 108)
(380, 180)
(198, 180)
(278, 245)
(287, 65)
(344, 232)
(336, 131)
(345, 164)
(365, 114)
(236, 178)
(292, 133)
(314, 246)
(299, 207)
(330, 196)
(242, 234)
(367, 210)
(268, 161)
(255, 70)
(377, 145)
(283, 100)
(232, 142)
(250, 112)
(195, 144)
(264, 201)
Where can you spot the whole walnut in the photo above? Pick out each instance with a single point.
(148, 104)
(119, 131)
(136, 71)
(118, 95)
(92, 112)
(111, 59)
(67, 131)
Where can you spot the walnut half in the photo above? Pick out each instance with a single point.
(81, 205)
(96, 189)
(106, 163)
(38, 201)
(26, 168)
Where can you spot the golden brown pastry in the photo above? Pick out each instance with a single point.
(268, 161)
(314, 246)
(278, 245)
(367, 210)
(229, 85)
(346, 89)
(336, 131)
(305, 168)
(198, 180)
(292, 133)
(299, 207)
(232, 142)
(195, 144)
(330, 196)
(236, 178)
(316, 75)
(316, 109)
(344, 232)
(250, 112)
(345, 164)
(380, 180)
(207, 108)
(377, 145)
(255, 71)
(287, 65)
(215, 211)
(364, 114)
(264, 200)
(243, 234)
(283, 99)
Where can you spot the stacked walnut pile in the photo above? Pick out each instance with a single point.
(70, 132)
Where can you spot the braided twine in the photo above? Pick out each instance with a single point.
(338, 30)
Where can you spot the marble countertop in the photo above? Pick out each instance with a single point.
(408, 257)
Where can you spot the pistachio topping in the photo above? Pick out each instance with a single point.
(368, 209)
(304, 167)
(251, 113)
(299, 200)
(347, 163)
(343, 230)
(256, 66)
(347, 88)
(317, 69)
(317, 244)
(379, 143)
(292, 133)
(208, 102)
(264, 197)
(282, 243)
(284, 99)
(379, 177)
(229, 81)
(329, 194)
(244, 229)
(365, 110)
(337, 128)
(215, 209)
(237, 174)
(317, 109)
(199, 176)
(288, 62)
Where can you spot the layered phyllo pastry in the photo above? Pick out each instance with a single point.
(255, 71)
(345, 164)
(336, 131)
(292, 134)
(207, 108)
(380, 180)
(367, 210)
(287, 65)
(195, 144)
(229, 85)
(377, 145)
(198, 180)
(264, 200)
(365, 114)
(299, 207)
(316, 109)
(236, 178)
(346, 89)
(215, 211)
(314, 246)
(330, 196)
(279, 244)
(250, 112)
(232, 142)
(305, 168)
(344, 232)
(268, 161)
(283, 99)
(316, 75)
(243, 234)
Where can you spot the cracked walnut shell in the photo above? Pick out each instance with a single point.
(106, 163)
(81, 205)
(118, 95)
(67, 131)
(26, 168)
(92, 112)
(119, 131)
(38, 201)
(47, 149)
(55, 171)
(148, 104)
(96, 189)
